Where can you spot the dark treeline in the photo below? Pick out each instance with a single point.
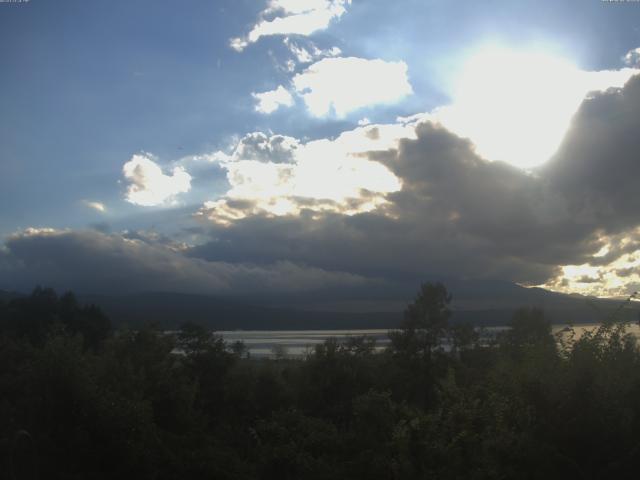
(81, 401)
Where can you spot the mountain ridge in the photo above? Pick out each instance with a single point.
(480, 303)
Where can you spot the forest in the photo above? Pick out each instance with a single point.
(80, 399)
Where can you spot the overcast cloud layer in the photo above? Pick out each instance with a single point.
(90, 261)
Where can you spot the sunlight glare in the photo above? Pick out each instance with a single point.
(517, 105)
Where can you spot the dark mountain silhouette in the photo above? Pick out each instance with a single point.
(481, 303)
(170, 310)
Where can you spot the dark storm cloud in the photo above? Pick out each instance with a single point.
(90, 261)
(456, 215)
(625, 243)
(460, 215)
(598, 164)
(504, 212)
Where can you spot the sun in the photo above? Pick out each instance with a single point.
(516, 105)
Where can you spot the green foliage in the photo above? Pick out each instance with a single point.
(529, 329)
(425, 323)
(463, 336)
(36, 316)
(153, 405)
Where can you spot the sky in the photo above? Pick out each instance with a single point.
(300, 147)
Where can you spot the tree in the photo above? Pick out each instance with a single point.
(88, 320)
(529, 328)
(32, 317)
(240, 349)
(207, 362)
(426, 321)
(194, 339)
(463, 336)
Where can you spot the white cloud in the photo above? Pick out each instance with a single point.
(265, 148)
(278, 175)
(148, 186)
(300, 17)
(100, 207)
(297, 7)
(348, 83)
(614, 271)
(269, 102)
(516, 106)
(310, 53)
(632, 58)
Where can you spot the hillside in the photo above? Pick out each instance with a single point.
(480, 303)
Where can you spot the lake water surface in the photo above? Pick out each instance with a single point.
(297, 343)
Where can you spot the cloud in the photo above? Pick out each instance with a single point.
(310, 52)
(148, 186)
(95, 206)
(517, 106)
(632, 57)
(452, 213)
(345, 84)
(617, 278)
(597, 164)
(340, 85)
(597, 169)
(288, 17)
(278, 175)
(265, 148)
(400, 202)
(269, 102)
(403, 202)
(90, 262)
(572, 225)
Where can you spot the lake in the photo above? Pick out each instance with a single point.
(296, 343)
